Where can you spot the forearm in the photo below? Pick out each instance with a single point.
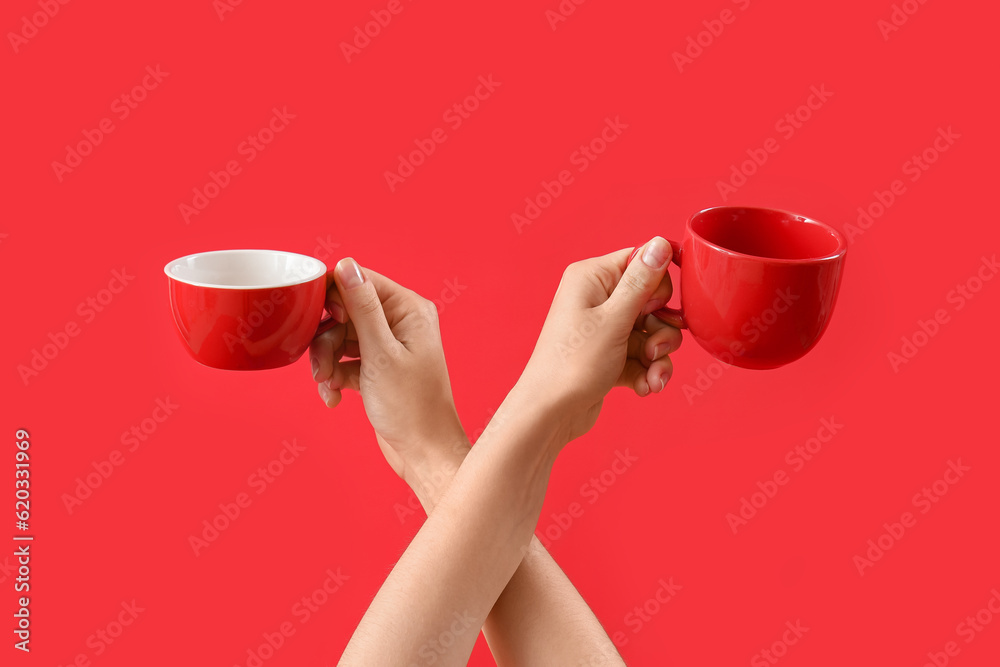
(540, 617)
(450, 576)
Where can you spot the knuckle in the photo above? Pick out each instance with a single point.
(428, 309)
(575, 269)
(633, 282)
(368, 305)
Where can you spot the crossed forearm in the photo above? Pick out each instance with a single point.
(539, 618)
(452, 573)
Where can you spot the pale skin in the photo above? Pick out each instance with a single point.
(475, 562)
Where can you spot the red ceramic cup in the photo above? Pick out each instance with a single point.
(247, 309)
(757, 285)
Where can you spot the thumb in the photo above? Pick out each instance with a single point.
(640, 279)
(363, 305)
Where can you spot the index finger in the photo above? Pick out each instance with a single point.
(333, 303)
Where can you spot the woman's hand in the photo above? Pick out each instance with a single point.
(390, 350)
(599, 334)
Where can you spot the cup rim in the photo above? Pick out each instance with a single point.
(287, 283)
(839, 253)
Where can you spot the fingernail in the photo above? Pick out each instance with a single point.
(658, 350)
(655, 255)
(350, 273)
(337, 312)
(665, 378)
(325, 393)
(315, 367)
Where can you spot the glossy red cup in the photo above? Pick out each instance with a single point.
(757, 285)
(247, 309)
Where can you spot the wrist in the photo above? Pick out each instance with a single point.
(531, 420)
(548, 414)
(430, 475)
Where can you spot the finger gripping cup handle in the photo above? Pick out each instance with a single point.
(672, 316)
(324, 326)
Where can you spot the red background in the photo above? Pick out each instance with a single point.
(322, 181)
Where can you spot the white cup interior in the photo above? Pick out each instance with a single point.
(245, 269)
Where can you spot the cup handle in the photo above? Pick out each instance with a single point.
(324, 326)
(672, 316)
